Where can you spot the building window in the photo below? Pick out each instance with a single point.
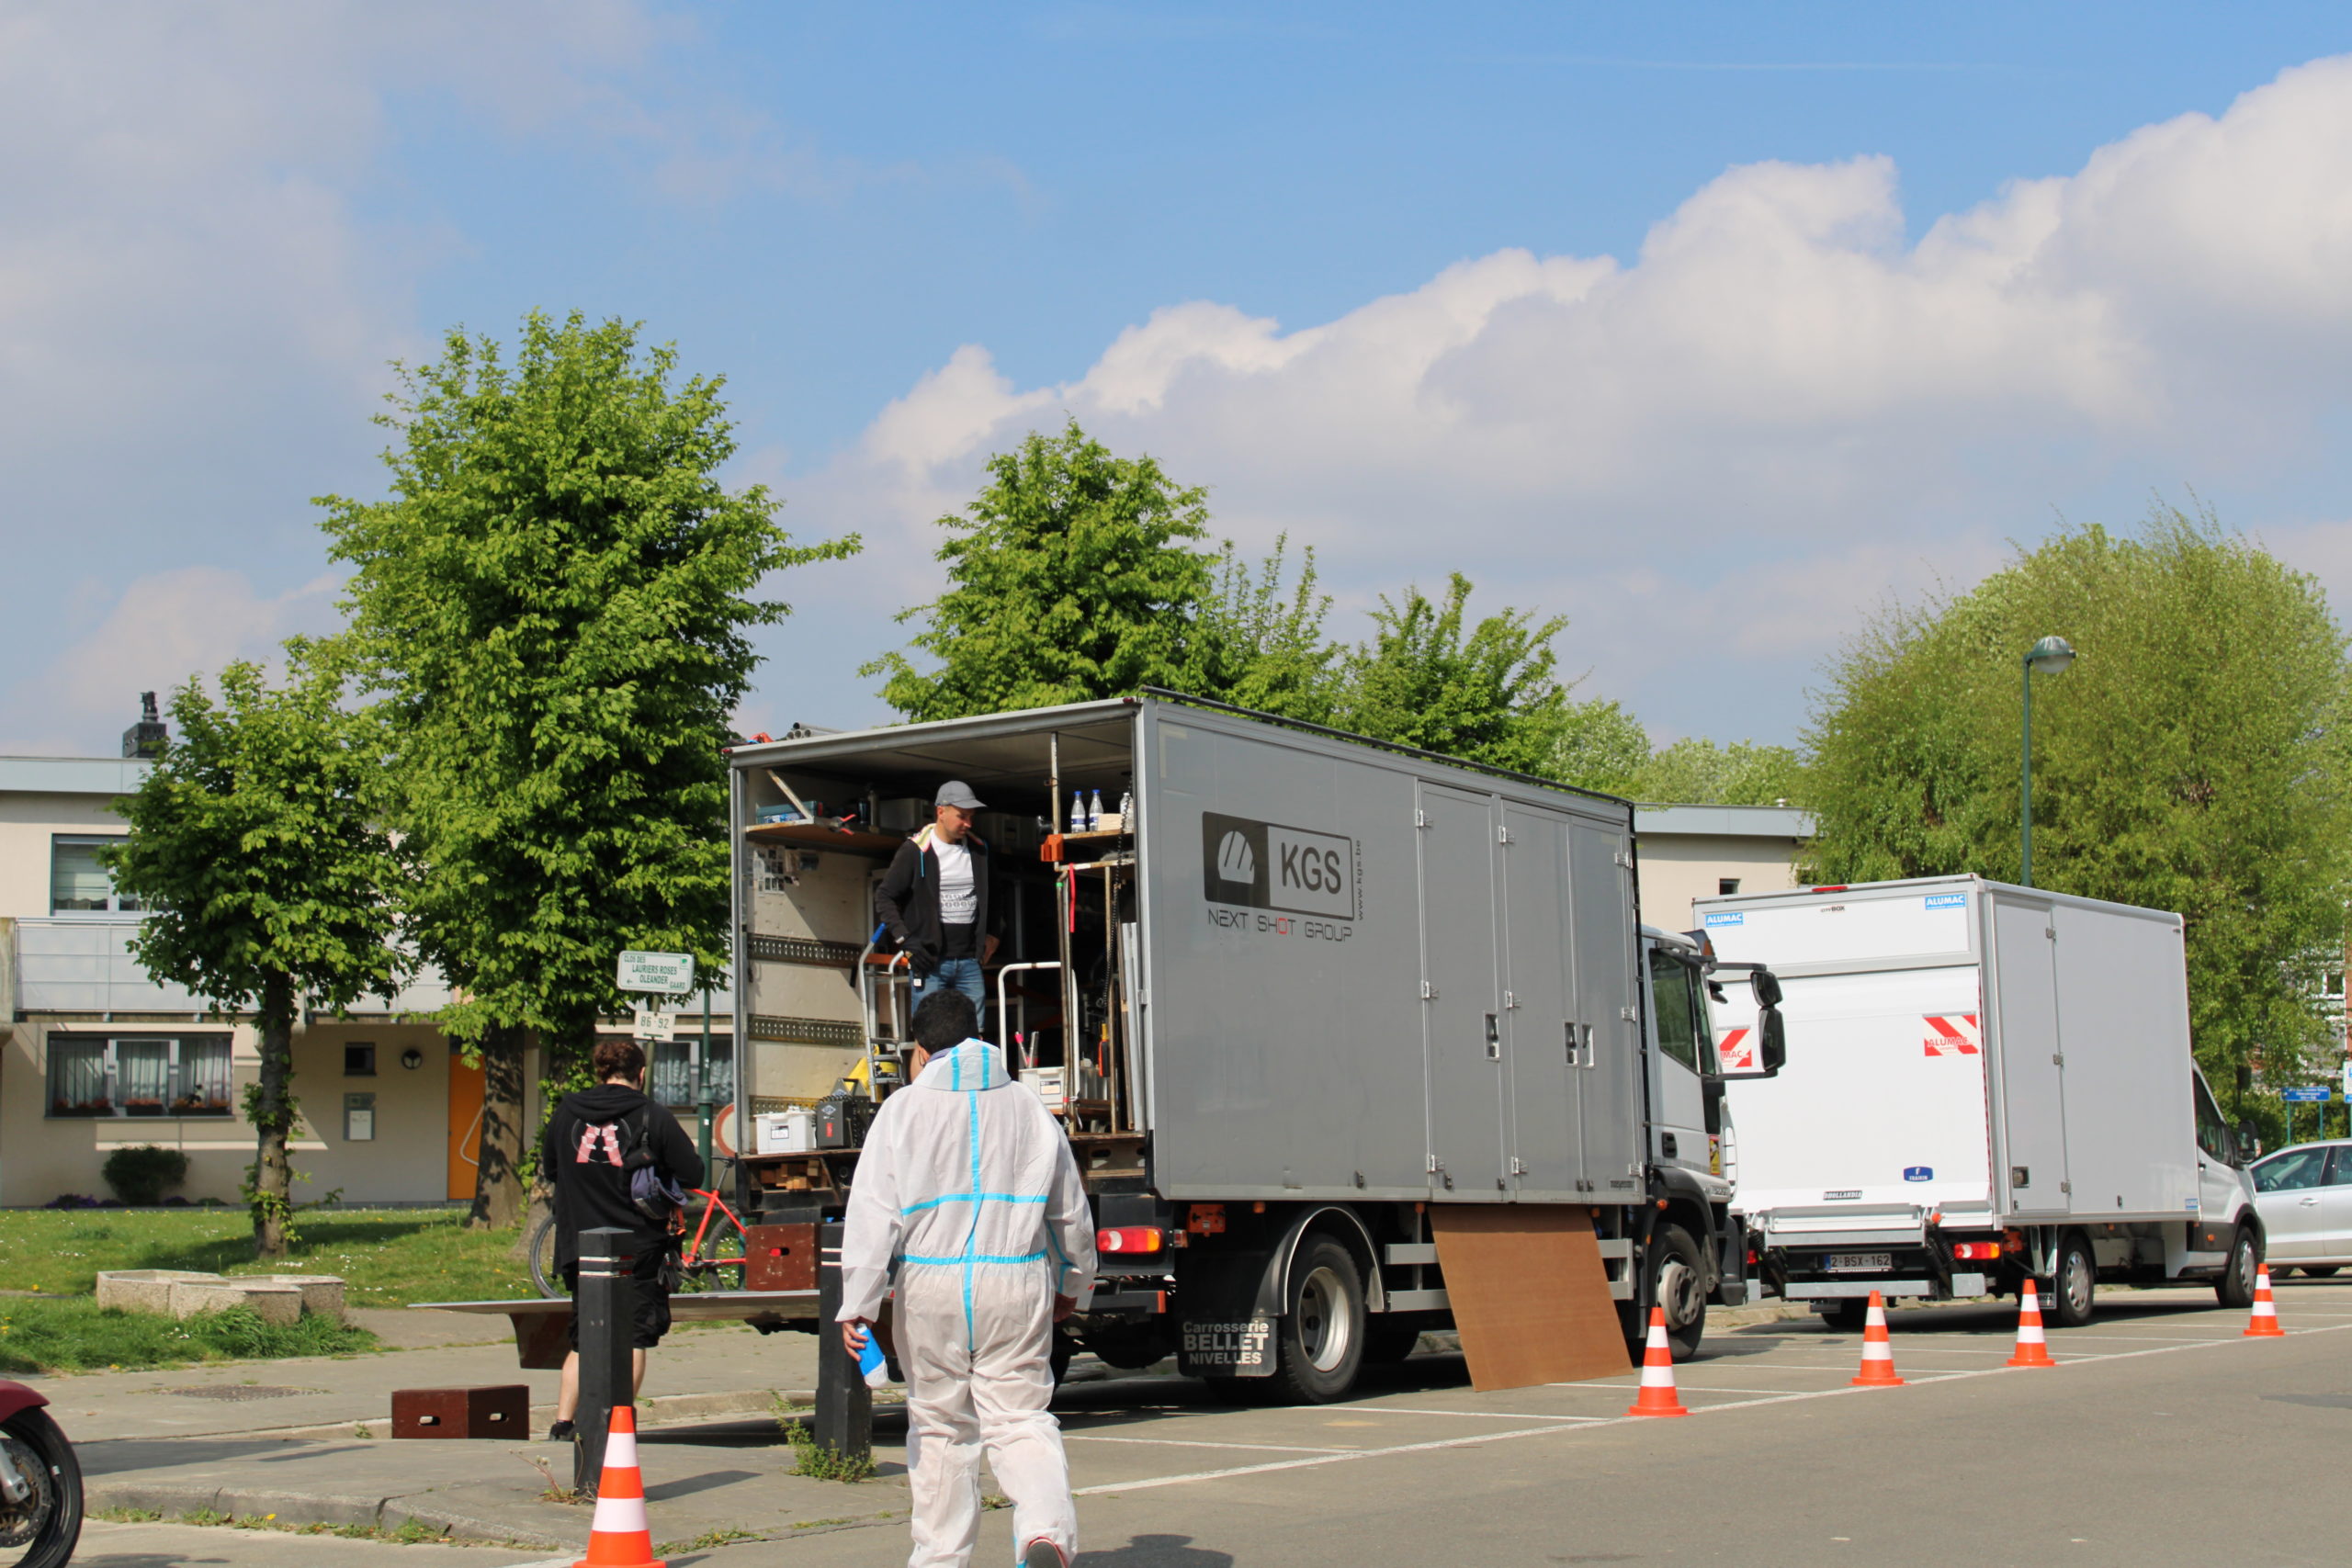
(78, 883)
(1727, 886)
(671, 1078)
(359, 1061)
(139, 1075)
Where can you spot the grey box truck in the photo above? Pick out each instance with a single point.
(1306, 989)
(1992, 1084)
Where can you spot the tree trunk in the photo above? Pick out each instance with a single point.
(274, 1114)
(498, 1181)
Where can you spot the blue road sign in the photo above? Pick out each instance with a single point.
(2318, 1093)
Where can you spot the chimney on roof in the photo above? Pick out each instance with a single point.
(146, 738)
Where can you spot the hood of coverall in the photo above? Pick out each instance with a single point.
(975, 1064)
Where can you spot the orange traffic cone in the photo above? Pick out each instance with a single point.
(619, 1537)
(2032, 1349)
(2265, 1322)
(1878, 1353)
(1658, 1396)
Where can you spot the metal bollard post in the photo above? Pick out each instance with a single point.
(844, 1418)
(607, 1303)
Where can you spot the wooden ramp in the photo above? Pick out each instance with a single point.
(1528, 1293)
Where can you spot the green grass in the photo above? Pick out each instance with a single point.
(389, 1257)
(71, 1333)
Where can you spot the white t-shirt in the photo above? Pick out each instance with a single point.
(959, 901)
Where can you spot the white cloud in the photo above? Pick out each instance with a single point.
(163, 628)
(1718, 457)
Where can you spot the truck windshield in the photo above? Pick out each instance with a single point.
(1682, 1032)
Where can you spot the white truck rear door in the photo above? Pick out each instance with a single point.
(2033, 1087)
(1871, 1107)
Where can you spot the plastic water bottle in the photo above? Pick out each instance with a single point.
(1094, 813)
(1127, 812)
(870, 1361)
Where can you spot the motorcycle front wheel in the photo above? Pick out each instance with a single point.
(40, 1530)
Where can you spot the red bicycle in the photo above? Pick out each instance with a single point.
(712, 1258)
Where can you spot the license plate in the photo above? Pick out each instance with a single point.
(1861, 1262)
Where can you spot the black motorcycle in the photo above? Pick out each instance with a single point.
(41, 1485)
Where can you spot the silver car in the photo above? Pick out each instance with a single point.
(2304, 1195)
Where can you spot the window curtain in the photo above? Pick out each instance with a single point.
(143, 1076)
(78, 1078)
(204, 1078)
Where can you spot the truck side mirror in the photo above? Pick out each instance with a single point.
(2249, 1139)
(1772, 1038)
(1768, 989)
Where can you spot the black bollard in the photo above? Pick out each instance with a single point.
(844, 1418)
(607, 1303)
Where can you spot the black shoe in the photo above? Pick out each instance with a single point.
(560, 1432)
(1044, 1553)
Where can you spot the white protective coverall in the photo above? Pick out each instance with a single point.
(967, 1187)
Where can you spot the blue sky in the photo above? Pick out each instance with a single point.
(1708, 326)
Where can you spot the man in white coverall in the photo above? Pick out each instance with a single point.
(967, 1189)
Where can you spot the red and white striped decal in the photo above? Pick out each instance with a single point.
(1954, 1034)
(1736, 1050)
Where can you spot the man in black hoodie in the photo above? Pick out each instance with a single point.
(584, 1152)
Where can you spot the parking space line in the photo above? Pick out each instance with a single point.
(1555, 1424)
(1196, 1443)
(1480, 1415)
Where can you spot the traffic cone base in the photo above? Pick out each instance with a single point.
(2032, 1349)
(1878, 1351)
(1658, 1396)
(620, 1536)
(2264, 1325)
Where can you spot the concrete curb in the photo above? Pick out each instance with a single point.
(307, 1509)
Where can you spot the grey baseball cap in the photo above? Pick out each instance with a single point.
(956, 792)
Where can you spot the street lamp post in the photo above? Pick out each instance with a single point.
(2051, 656)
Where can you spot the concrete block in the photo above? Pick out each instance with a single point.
(321, 1293)
(280, 1305)
(147, 1290)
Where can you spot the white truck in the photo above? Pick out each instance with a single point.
(1989, 1084)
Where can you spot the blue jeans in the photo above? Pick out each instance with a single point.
(962, 974)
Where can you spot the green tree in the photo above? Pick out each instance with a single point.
(2193, 760)
(1486, 692)
(252, 844)
(551, 607)
(1260, 644)
(1071, 577)
(1601, 747)
(1698, 771)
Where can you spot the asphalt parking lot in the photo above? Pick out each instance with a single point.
(2163, 1436)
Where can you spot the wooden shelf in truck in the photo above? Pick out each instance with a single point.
(824, 836)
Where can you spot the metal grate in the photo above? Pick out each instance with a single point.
(805, 1031)
(803, 949)
(236, 1392)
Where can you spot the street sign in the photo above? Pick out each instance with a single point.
(2317, 1093)
(655, 1024)
(672, 972)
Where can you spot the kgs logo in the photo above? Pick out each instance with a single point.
(1263, 866)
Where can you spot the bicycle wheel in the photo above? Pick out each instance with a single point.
(716, 1263)
(544, 1273)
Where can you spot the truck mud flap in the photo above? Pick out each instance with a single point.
(1528, 1293)
(1224, 1332)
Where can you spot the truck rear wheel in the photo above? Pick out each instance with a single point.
(2074, 1282)
(1319, 1345)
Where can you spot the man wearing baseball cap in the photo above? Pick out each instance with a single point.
(934, 899)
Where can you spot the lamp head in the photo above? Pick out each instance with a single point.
(2051, 656)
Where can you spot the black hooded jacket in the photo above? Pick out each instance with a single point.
(584, 1152)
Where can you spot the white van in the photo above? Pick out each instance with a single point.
(1984, 1083)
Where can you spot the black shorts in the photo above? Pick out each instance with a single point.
(652, 1298)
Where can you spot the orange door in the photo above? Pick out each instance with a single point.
(465, 1124)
